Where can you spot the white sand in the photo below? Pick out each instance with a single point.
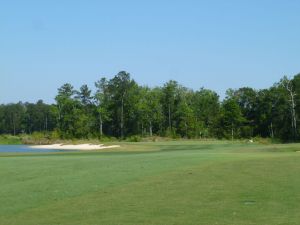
(74, 147)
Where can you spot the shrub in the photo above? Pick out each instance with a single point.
(134, 138)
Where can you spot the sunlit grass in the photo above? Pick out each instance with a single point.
(180, 182)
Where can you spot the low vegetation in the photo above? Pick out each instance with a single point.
(10, 140)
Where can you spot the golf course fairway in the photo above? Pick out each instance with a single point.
(161, 183)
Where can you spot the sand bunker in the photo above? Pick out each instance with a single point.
(74, 147)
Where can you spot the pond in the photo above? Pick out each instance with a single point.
(22, 149)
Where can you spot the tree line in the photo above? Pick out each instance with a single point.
(119, 107)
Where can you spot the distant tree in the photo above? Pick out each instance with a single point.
(170, 95)
(120, 108)
(39, 117)
(247, 100)
(124, 97)
(85, 112)
(206, 107)
(185, 113)
(102, 103)
(289, 87)
(273, 117)
(232, 116)
(84, 95)
(150, 108)
(67, 110)
(14, 115)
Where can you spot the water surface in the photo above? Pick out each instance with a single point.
(22, 149)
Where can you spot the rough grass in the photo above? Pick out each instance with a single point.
(9, 140)
(154, 183)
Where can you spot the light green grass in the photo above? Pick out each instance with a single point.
(9, 140)
(164, 183)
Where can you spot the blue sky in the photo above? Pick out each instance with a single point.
(212, 44)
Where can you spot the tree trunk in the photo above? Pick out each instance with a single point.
(272, 132)
(232, 132)
(196, 128)
(289, 88)
(170, 124)
(150, 128)
(14, 124)
(294, 121)
(122, 118)
(100, 125)
(59, 117)
(46, 123)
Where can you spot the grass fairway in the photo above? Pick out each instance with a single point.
(154, 183)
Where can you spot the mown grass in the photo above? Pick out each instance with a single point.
(186, 182)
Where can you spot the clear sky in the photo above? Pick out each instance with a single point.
(212, 44)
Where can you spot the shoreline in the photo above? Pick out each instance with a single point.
(82, 147)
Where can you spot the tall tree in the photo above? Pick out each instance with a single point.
(170, 95)
(67, 110)
(14, 118)
(84, 95)
(102, 103)
(124, 98)
(232, 116)
(288, 85)
(206, 107)
(39, 117)
(150, 108)
(247, 100)
(84, 112)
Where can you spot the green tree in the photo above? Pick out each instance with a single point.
(232, 117)
(67, 110)
(169, 100)
(150, 109)
(85, 111)
(206, 106)
(102, 103)
(247, 99)
(39, 117)
(14, 116)
(123, 93)
(184, 113)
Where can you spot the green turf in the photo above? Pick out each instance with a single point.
(154, 183)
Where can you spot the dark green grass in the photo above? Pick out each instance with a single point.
(154, 183)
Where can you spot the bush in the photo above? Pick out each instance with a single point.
(266, 140)
(134, 138)
(171, 133)
(108, 139)
(9, 140)
(35, 138)
(54, 135)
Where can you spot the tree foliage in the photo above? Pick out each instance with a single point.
(120, 107)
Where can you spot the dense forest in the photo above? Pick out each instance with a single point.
(121, 108)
